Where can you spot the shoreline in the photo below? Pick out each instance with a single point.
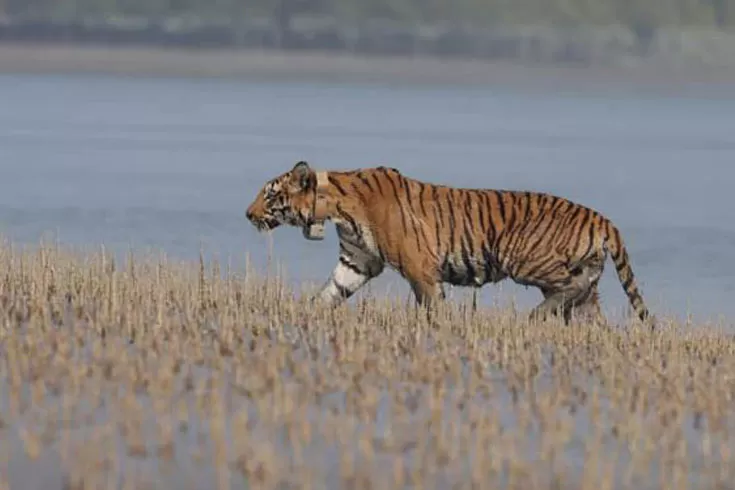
(275, 66)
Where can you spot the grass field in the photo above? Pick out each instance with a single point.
(153, 373)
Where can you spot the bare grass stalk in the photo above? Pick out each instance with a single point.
(148, 372)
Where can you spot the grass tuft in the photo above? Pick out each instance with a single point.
(150, 373)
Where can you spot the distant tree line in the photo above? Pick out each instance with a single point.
(487, 28)
(719, 13)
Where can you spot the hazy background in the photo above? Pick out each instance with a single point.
(578, 31)
(626, 106)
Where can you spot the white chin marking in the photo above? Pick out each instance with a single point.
(346, 277)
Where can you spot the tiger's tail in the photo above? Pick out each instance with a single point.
(614, 244)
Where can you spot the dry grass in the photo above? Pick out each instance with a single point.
(151, 374)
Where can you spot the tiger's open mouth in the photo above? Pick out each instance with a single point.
(266, 224)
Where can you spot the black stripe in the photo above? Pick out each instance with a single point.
(416, 232)
(452, 201)
(491, 231)
(534, 226)
(435, 198)
(422, 201)
(423, 234)
(533, 273)
(550, 221)
(336, 184)
(481, 208)
(449, 273)
(618, 243)
(357, 244)
(543, 218)
(344, 215)
(407, 186)
(578, 236)
(469, 250)
(511, 245)
(541, 235)
(365, 181)
(529, 199)
(554, 201)
(377, 182)
(489, 263)
(619, 266)
(358, 191)
(483, 238)
(467, 207)
(591, 232)
(353, 267)
(342, 290)
(471, 272)
(569, 225)
(510, 220)
(438, 216)
(515, 235)
(501, 204)
(563, 223)
(524, 235)
(398, 203)
(413, 211)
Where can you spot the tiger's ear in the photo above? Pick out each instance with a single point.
(303, 174)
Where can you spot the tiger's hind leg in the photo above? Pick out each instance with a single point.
(576, 288)
(427, 294)
(555, 303)
(588, 310)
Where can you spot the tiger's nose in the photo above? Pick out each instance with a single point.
(249, 215)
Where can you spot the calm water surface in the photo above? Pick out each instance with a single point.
(172, 164)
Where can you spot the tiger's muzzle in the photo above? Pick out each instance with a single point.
(265, 224)
(260, 219)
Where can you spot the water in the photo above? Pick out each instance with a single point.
(172, 163)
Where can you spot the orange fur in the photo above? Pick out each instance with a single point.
(433, 234)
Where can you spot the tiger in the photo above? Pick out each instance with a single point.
(435, 234)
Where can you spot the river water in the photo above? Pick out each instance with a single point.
(172, 163)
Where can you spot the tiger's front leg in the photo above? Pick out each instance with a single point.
(350, 274)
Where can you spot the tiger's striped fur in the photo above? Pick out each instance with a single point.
(434, 234)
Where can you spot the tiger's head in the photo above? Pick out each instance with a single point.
(287, 199)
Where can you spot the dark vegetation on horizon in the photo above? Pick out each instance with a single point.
(550, 30)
